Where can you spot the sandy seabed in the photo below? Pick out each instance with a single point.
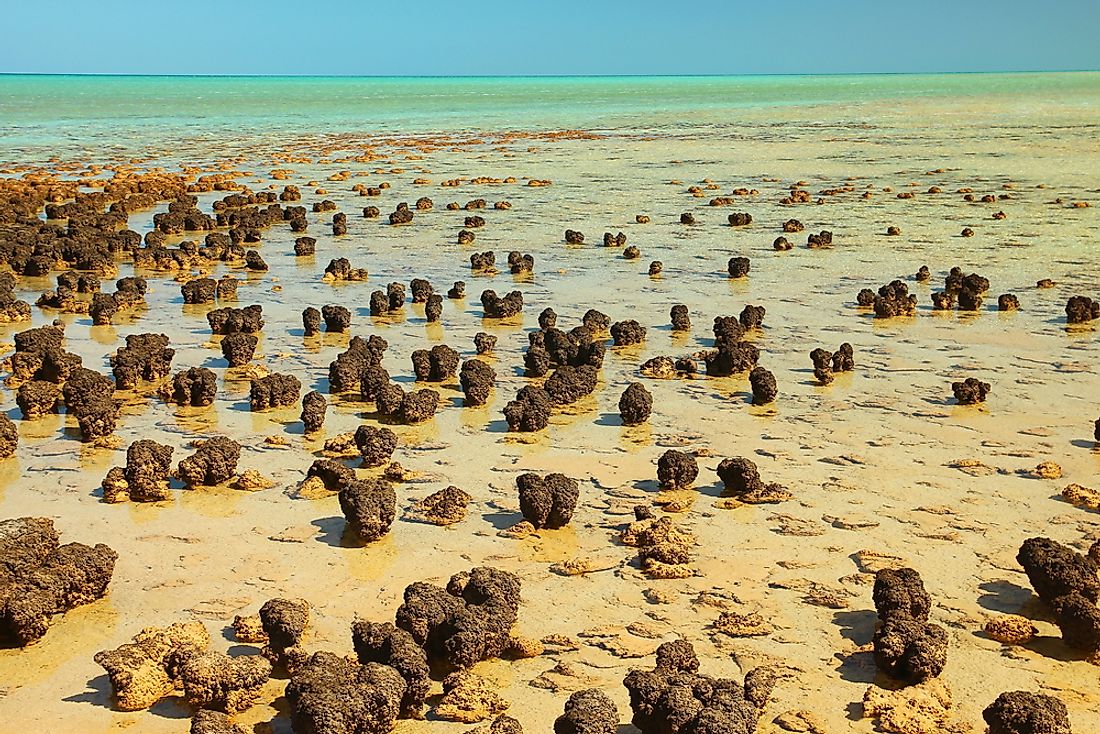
(884, 467)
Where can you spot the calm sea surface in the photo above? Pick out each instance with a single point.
(63, 115)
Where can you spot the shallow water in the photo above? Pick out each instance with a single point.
(870, 448)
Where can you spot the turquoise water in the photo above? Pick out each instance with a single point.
(42, 114)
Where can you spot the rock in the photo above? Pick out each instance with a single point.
(1080, 496)
(547, 502)
(275, 390)
(676, 469)
(906, 645)
(1047, 470)
(195, 386)
(530, 411)
(384, 644)
(970, 391)
(314, 406)
(476, 379)
(229, 684)
(675, 692)
(214, 461)
(332, 695)
(742, 625)
(206, 721)
(284, 623)
(469, 698)
(925, 708)
(635, 404)
(589, 711)
(369, 507)
(375, 444)
(764, 389)
(445, 507)
(1081, 309)
(680, 319)
(738, 267)
(501, 308)
(1022, 712)
(627, 332)
(1010, 629)
(144, 671)
(465, 623)
(9, 437)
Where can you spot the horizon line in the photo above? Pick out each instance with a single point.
(534, 76)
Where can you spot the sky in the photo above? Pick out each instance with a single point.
(548, 37)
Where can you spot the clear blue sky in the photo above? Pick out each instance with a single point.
(429, 37)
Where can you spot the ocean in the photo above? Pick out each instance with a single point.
(79, 115)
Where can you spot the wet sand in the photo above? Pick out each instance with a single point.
(868, 458)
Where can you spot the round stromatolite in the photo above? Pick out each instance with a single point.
(369, 507)
(1023, 712)
(476, 378)
(676, 469)
(635, 404)
(375, 444)
(314, 406)
(547, 502)
(764, 389)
